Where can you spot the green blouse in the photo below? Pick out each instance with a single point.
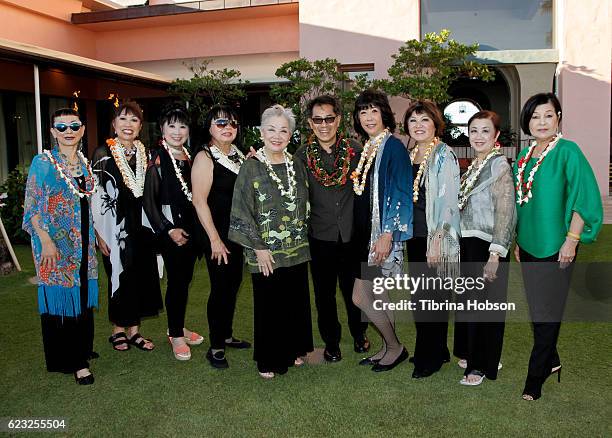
(263, 219)
(563, 184)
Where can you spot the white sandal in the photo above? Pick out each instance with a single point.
(267, 376)
(466, 382)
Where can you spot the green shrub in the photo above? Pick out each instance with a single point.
(12, 211)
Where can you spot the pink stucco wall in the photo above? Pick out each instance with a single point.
(235, 37)
(584, 80)
(47, 28)
(357, 31)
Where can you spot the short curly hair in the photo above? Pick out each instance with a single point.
(426, 107)
(279, 111)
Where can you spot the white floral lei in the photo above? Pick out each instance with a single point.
(521, 169)
(290, 192)
(369, 149)
(133, 182)
(70, 181)
(224, 160)
(469, 178)
(417, 178)
(177, 171)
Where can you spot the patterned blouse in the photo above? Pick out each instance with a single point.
(263, 219)
(49, 196)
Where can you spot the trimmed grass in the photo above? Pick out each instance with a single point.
(151, 394)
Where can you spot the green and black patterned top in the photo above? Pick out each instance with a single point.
(263, 219)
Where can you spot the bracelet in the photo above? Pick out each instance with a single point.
(495, 253)
(571, 239)
(574, 236)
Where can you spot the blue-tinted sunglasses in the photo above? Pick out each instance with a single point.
(61, 127)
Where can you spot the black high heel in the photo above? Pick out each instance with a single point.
(85, 380)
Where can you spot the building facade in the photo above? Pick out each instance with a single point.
(106, 48)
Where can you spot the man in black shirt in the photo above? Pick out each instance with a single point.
(329, 160)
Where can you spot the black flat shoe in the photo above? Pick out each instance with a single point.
(217, 360)
(85, 380)
(332, 355)
(380, 367)
(362, 346)
(421, 374)
(237, 343)
(368, 361)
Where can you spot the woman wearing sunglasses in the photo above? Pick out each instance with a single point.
(126, 245)
(215, 169)
(269, 219)
(167, 204)
(57, 216)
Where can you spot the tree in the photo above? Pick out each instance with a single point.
(425, 69)
(207, 88)
(309, 79)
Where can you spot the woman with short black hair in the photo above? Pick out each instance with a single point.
(559, 206)
(215, 169)
(167, 204)
(58, 217)
(382, 216)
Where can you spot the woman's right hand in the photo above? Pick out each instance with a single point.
(219, 251)
(104, 249)
(178, 236)
(517, 253)
(49, 254)
(265, 261)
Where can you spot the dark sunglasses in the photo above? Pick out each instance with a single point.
(318, 120)
(61, 127)
(222, 123)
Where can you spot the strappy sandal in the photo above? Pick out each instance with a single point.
(138, 341)
(476, 382)
(118, 339)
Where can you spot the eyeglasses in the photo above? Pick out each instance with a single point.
(329, 120)
(222, 123)
(61, 127)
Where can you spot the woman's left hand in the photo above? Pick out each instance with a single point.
(567, 252)
(433, 252)
(490, 269)
(382, 248)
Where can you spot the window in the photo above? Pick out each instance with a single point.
(459, 113)
(494, 24)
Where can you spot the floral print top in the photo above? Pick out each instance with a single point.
(263, 219)
(49, 196)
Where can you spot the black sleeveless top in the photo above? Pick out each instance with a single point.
(220, 198)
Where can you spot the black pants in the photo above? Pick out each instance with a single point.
(546, 288)
(430, 350)
(479, 336)
(331, 263)
(282, 324)
(179, 262)
(224, 285)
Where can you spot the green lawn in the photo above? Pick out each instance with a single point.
(151, 394)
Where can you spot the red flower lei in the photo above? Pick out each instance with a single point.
(342, 162)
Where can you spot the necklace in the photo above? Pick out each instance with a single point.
(230, 164)
(134, 182)
(422, 166)
(290, 192)
(469, 178)
(177, 171)
(369, 150)
(74, 188)
(342, 162)
(521, 185)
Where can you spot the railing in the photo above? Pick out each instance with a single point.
(207, 5)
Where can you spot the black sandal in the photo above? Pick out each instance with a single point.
(139, 342)
(119, 338)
